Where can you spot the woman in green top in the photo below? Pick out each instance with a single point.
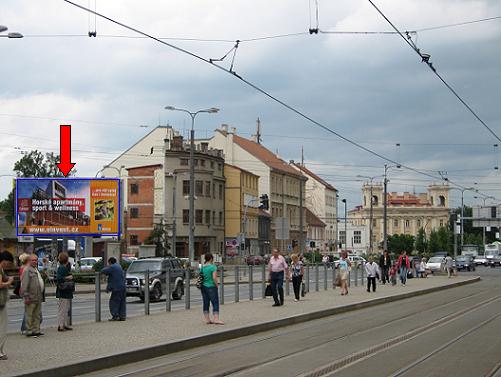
(209, 290)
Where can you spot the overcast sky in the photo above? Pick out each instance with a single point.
(370, 88)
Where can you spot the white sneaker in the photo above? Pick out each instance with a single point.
(296, 300)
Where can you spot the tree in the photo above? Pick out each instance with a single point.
(421, 241)
(33, 164)
(400, 242)
(434, 242)
(445, 241)
(158, 237)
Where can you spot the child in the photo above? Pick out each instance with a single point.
(393, 275)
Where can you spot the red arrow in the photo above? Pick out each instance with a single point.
(65, 164)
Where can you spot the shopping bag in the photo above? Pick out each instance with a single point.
(268, 291)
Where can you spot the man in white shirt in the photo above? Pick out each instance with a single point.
(277, 269)
(372, 270)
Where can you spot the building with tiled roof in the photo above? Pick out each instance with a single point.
(321, 199)
(277, 179)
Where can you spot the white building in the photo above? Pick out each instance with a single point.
(321, 199)
(358, 238)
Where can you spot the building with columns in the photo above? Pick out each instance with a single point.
(406, 212)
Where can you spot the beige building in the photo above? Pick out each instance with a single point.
(406, 212)
(241, 207)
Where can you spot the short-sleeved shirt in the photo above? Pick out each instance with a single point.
(278, 264)
(296, 268)
(207, 272)
(343, 264)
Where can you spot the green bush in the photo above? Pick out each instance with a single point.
(84, 277)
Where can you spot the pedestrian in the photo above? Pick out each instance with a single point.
(210, 285)
(372, 270)
(24, 259)
(277, 269)
(64, 291)
(385, 265)
(344, 272)
(393, 275)
(403, 265)
(116, 285)
(6, 259)
(33, 292)
(448, 265)
(297, 275)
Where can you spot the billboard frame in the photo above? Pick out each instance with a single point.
(41, 235)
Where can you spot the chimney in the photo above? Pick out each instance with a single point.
(177, 143)
(224, 127)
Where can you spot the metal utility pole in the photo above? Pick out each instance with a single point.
(385, 208)
(174, 241)
(191, 239)
(301, 209)
(345, 225)
(462, 211)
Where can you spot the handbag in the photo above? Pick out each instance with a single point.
(67, 286)
(268, 292)
(337, 281)
(200, 279)
(303, 289)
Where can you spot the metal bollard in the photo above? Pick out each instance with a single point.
(221, 285)
(98, 297)
(356, 275)
(237, 283)
(263, 281)
(325, 277)
(168, 294)
(363, 271)
(251, 283)
(147, 293)
(307, 278)
(333, 276)
(187, 290)
(316, 278)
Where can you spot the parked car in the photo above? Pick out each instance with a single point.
(254, 260)
(495, 261)
(354, 259)
(436, 264)
(86, 264)
(465, 262)
(157, 267)
(480, 260)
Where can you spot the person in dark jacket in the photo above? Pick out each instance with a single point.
(64, 291)
(385, 265)
(116, 285)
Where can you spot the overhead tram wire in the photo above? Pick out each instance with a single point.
(264, 92)
(458, 24)
(425, 59)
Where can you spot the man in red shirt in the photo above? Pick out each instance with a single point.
(277, 270)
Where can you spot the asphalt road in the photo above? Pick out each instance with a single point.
(448, 333)
(84, 304)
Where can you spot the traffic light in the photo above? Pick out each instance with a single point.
(265, 202)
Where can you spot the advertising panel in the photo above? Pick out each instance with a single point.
(68, 206)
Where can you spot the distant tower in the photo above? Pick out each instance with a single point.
(377, 195)
(438, 195)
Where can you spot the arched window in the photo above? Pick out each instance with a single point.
(441, 201)
(365, 201)
(431, 199)
(374, 200)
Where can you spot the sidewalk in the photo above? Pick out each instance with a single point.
(89, 346)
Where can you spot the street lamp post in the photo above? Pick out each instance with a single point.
(345, 225)
(385, 204)
(191, 239)
(461, 229)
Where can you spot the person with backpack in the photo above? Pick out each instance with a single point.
(403, 264)
(209, 288)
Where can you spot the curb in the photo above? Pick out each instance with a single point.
(141, 354)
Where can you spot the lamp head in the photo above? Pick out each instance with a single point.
(170, 108)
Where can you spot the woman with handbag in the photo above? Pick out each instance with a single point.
(209, 289)
(344, 272)
(64, 291)
(5, 282)
(297, 275)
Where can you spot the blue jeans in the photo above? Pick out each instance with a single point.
(403, 274)
(209, 295)
(277, 287)
(117, 304)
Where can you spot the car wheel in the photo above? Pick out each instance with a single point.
(178, 292)
(156, 294)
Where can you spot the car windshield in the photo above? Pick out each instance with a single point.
(144, 265)
(87, 262)
(435, 260)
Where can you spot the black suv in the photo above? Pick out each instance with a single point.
(157, 268)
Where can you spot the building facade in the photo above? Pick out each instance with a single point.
(277, 179)
(358, 237)
(406, 212)
(321, 199)
(241, 210)
(316, 230)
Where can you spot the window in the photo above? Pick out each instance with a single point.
(419, 223)
(212, 164)
(220, 218)
(195, 162)
(214, 190)
(441, 201)
(207, 189)
(186, 216)
(186, 188)
(184, 162)
(207, 217)
(134, 188)
(374, 222)
(134, 213)
(374, 200)
(395, 223)
(199, 216)
(441, 223)
(134, 240)
(220, 191)
(342, 236)
(357, 236)
(407, 223)
(214, 217)
(202, 163)
(219, 167)
(199, 188)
